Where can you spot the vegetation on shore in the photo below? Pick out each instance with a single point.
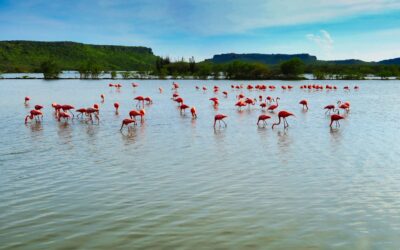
(92, 61)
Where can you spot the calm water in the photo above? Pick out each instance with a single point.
(175, 183)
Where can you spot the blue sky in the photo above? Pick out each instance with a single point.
(339, 29)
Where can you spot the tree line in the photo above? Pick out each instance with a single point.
(292, 69)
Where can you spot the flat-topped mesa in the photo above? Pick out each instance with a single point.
(262, 58)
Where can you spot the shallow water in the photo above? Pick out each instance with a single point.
(176, 183)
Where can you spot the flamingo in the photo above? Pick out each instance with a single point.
(134, 113)
(204, 88)
(102, 97)
(126, 122)
(269, 99)
(148, 100)
(81, 111)
(38, 107)
(33, 114)
(249, 101)
(179, 100)
(263, 105)
(27, 98)
(329, 108)
(304, 103)
(264, 119)
(135, 85)
(63, 115)
(283, 115)
(193, 111)
(240, 104)
(116, 106)
(335, 118)
(183, 107)
(67, 108)
(220, 118)
(225, 93)
(160, 89)
(275, 106)
(95, 112)
(139, 99)
(96, 106)
(175, 86)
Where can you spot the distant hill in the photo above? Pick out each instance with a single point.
(26, 56)
(394, 61)
(345, 62)
(262, 58)
(273, 59)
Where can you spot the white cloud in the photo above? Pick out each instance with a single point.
(323, 40)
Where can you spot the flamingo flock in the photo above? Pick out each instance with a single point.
(64, 112)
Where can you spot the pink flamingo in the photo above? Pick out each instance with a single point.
(194, 113)
(134, 113)
(116, 106)
(264, 119)
(126, 122)
(275, 106)
(336, 118)
(139, 99)
(67, 108)
(63, 115)
(34, 114)
(304, 103)
(329, 108)
(27, 98)
(282, 116)
(183, 107)
(220, 118)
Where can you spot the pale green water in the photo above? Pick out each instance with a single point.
(175, 183)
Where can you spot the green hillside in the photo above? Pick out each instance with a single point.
(27, 56)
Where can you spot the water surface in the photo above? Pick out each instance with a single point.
(176, 183)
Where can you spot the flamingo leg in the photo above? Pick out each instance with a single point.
(224, 122)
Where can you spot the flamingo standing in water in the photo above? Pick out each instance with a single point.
(148, 100)
(175, 86)
(345, 106)
(126, 122)
(179, 100)
(336, 118)
(116, 106)
(264, 119)
(193, 111)
(269, 99)
(93, 111)
(63, 115)
(275, 106)
(102, 96)
(33, 114)
(240, 104)
(139, 99)
(225, 93)
(160, 89)
(134, 113)
(329, 108)
(81, 112)
(67, 108)
(27, 98)
(282, 116)
(220, 118)
(135, 85)
(304, 103)
(183, 107)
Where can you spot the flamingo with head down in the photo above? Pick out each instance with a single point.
(282, 116)
(219, 118)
